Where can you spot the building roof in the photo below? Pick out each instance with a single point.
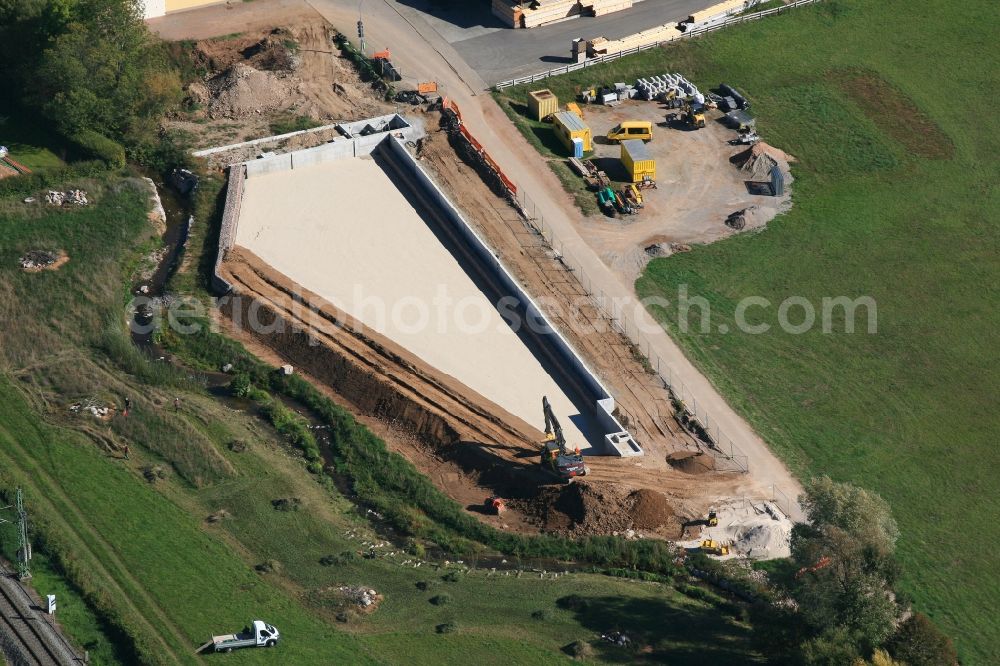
(637, 149)
(570, 121)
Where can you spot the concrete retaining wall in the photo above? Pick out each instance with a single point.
(617, 439)
(391, 145)
(230, 219)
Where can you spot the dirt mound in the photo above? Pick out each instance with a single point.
(243, 91)
(758, 159)
(580, 508)
(275, 51)
(583, 509)
(691, 462)
(650, 509)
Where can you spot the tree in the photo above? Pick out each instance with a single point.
(855, 510)
(102, 72)
(834, 647)
(918, 642)
(855, 531)
(880, 658)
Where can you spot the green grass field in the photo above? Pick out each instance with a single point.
(895, 190)
(142, 574)
(29, 143)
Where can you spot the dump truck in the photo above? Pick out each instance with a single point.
(555, 456)
(258, 634)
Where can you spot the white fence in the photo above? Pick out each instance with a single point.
(694, 32)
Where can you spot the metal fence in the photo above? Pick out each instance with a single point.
(726, 452)
(590, 62)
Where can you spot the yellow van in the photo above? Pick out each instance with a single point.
(632, 129)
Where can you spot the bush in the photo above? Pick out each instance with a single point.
(579, 649)
(441, 599)
(451, 577)
(240, 386)
(340, 559)
(573, 602)
(100, 147)
(543, 614)
(424, 585)
(919, 643)
(446, 628)
(416, 549)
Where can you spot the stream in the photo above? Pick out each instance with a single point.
(179, 218)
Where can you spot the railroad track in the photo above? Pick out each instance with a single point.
(23, 641)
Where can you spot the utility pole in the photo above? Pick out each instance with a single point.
(24, 551)
(23, 545)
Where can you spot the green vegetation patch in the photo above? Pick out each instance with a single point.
(896, 184)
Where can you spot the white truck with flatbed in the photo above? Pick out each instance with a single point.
(258, 634)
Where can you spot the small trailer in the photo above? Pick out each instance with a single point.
(258, 634)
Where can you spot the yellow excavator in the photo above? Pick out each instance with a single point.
(555, 456)
(694, 115)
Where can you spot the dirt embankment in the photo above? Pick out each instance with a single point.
(252, 80)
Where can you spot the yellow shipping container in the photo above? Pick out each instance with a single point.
(637, 160)
(543, 103)
(570, 126)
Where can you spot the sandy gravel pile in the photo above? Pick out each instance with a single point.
(244, 91)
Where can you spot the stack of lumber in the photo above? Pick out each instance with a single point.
(602, 7)
(546, 11)
(727, 8)
(662, 33)
(534, 13)
(508, 11)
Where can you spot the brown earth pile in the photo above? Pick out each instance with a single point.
(583, 509)
(650, 509)
(691, 462)
(243, 91)
(758, 159)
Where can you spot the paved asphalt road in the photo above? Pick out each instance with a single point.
(497, 53)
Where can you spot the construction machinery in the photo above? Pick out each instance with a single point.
(630, 193)
(494, 505)
(713, 547)
(821, 563)
(555, 456)
(694, 115)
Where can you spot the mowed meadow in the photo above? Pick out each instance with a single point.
(885, 106)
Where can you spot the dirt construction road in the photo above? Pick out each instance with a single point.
(423, 55)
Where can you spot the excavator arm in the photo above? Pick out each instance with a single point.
(552, 427)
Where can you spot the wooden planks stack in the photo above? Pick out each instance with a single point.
(662, 33)
(508, 11)
(722, 9)
(540, 12)
(602, 7)
(546, 11)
